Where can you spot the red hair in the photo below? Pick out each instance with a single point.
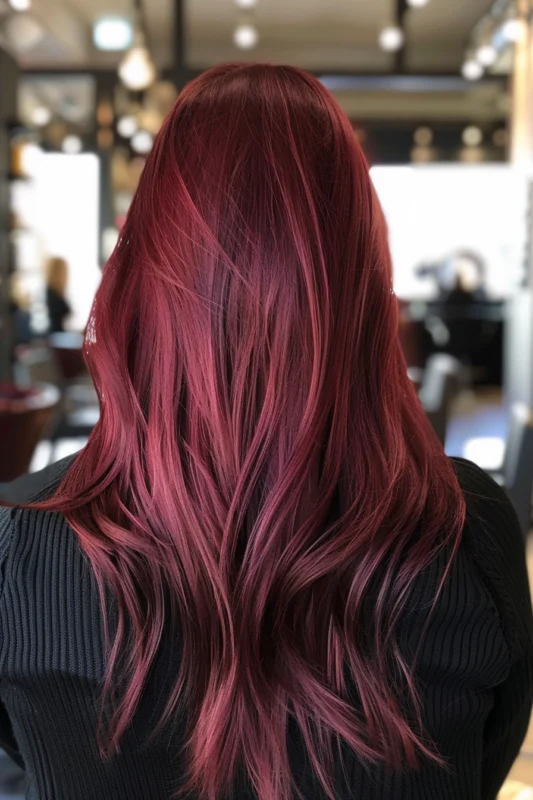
(262, 473)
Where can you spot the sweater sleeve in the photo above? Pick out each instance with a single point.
(7, 739)
(496, 548)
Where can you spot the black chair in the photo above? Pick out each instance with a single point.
(22, 426)
(516, 474)
(61, 362)
(440, 386)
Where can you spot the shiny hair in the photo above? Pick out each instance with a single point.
(263, 484)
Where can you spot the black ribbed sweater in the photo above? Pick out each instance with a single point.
(475, 672)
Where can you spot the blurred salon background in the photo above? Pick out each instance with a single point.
(440, 94)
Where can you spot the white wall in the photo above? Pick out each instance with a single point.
(432, 210)
(61, 207)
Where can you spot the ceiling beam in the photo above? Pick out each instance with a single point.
(387, 82)
(333, 79)
(401, 10)
(179, 45)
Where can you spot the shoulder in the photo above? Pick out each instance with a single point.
(491, 521)
(17, 523)
(46, 583)
(495, 550)
(37, 485)
(492, 526)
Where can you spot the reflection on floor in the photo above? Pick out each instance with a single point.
(477, 429)
(480, 419)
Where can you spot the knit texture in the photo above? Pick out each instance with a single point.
(475, 672)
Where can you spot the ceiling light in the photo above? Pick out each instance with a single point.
(487, 55)
(391, 39)
(513, 30)
(20, 5)
(72, 145)
(112, 33)
(472, 136)
(472, 70)
(245, 37)
(40, 116)
(142, 142)
(137, 70)
(127, 126)
(245, 4)
(423, 137)
(417, 3)
(24, 32)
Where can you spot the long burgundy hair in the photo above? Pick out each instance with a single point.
(262, 472)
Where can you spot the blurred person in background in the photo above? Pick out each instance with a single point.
(20, 305)
(261, 577)
(465, 272)
(56, 284)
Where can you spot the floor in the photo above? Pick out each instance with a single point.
(477, 431)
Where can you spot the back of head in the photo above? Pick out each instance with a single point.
(261, 459)
(57, 275)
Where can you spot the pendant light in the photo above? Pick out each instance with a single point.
(137, 70)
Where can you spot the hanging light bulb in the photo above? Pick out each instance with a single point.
(423, 136)
(24, 32)
(391, 39)
(72, 145)
(472, 70)
(20, 5)
(245, 37)
(513, 30)
(487, 55)
(127, 126)
(40, 116)
(142, 142)
(472, 136)
(137, 70)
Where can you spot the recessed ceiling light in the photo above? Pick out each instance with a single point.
(391, 39)
(246, 3)
(417, 3)
(112, 33)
